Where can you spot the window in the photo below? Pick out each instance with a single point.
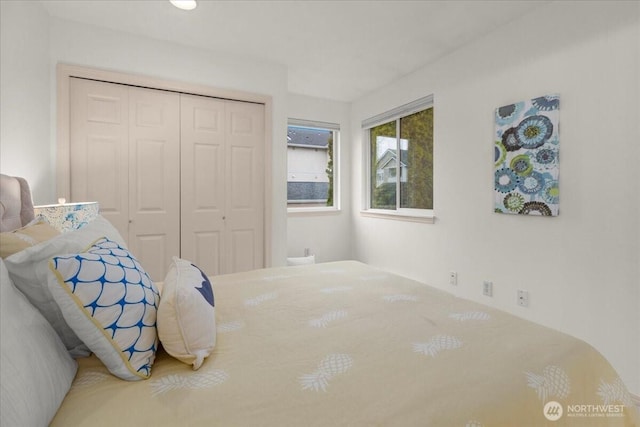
(400, 161)
(311, 165)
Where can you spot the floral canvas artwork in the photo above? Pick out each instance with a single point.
(526, 157)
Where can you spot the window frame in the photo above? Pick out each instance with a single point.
(335, 128)
(399, 213)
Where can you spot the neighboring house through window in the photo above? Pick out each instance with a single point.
(311, 175)
(400, 161)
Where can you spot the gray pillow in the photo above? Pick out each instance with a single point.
(36, 369)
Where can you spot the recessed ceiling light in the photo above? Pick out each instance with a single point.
(184, 4)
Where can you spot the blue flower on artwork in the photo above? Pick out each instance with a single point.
(534, 131)
(532, 184)
(547, 103)
(507, 114)
(505, 180)
(533, 111)
(545, 156)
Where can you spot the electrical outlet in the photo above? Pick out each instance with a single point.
(487, 289)
(523, 298)
(453, 278)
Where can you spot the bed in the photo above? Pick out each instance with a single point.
(343, 344)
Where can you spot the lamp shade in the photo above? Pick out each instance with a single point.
(68, 216)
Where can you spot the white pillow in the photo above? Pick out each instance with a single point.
(303, 260)
(111, 304)
(29, 270)
(30, 235)
(186, 316)
(36, 369)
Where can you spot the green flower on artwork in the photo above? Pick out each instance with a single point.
(500, 153)
(521, 164)
(551, 192)
(514, 202)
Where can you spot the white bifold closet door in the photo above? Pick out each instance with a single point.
(222, 180)
(154, 184)
(125, 146)
(176, 174)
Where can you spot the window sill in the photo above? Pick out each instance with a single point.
(312, 211)
(426, 218)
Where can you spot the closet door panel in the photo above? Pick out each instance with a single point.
(154, 178)
(99, 148)
(203, 154)
(245, 181)
(207, 251)
(243, 249)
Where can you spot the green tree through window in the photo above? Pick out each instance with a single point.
(401, 162)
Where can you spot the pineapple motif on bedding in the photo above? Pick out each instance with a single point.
(260, 299)
(329, 367)
(437, 344)
(614, 392)
(197, 380)
(552, 383)
(470, 315)
(88, 379)
(327, 318)
(400, 297)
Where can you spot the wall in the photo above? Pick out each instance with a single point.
(328, 235)
(581, 268)
(25, 147)
(54, 41)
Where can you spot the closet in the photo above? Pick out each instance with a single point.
(177, 174)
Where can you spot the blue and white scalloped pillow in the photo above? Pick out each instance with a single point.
(111, 304)
(186, 316)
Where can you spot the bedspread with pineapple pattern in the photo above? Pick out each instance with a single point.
(344, 344)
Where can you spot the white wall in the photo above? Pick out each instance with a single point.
(328, 235)
(580, 268)
(25, 147)
(29, 85)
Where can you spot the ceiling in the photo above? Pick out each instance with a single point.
(339, 50)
